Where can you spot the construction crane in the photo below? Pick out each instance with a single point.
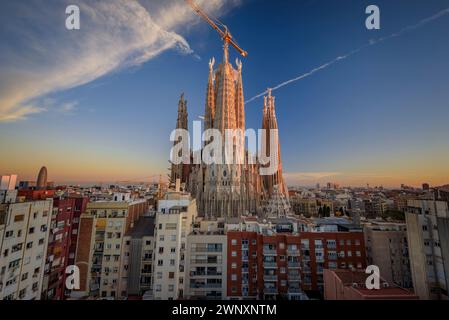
(224, 32)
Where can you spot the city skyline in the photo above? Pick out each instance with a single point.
(383, 125)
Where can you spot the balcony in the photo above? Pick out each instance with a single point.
(294, 290)
(270, 277)
(294, 277)
(270, 290)
(205, 286)
(269, 265)
(293, 264)
(269, 252)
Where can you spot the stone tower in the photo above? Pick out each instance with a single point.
(180, 171)
(269, 123)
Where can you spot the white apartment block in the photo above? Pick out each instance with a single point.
(428, 241)
(24, 231)
(206, 267)
(174, 220)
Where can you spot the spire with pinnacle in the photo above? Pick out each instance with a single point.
(209, 113)
(239, 99)
(270, 123)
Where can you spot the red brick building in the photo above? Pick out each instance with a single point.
(286, 264)
(62, 244)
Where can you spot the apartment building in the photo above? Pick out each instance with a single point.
(387, 247)
(174, 221)
(306, 206)
(61, 245)
(284, 259)
(137, 259)
(101, 244)
(206, 267)
(24, 229)
(428, 242)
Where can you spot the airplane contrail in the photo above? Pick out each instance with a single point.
(347, 55)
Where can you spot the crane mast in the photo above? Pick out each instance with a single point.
(224, 34)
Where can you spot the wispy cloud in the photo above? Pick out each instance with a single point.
(41, 57)
(372, 42)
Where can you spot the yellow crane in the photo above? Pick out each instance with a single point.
(223, 32)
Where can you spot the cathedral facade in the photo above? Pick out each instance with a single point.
(234, 189)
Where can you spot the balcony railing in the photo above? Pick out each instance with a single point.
(292, 252)
(294, 277)
(205, 285)
(292, 264)
(269, 251)
(269, 265)
(270, 290)
(270, 277)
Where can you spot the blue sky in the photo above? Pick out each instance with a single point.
(378, 117)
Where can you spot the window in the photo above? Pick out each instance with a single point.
(233, 277)
(160, 262)
(170, 226)
(9, 234)
(171, 287)
(234, 242)
(29, 245)
(16, 248)
(160, 226)
(171, 275)
(234, 265)
(19, 217)
(161, 250)
(31, 230)
(172, 262)
(234, 253)
(173, 250)
(158, 288)
(161, 237)
(159, 275)
(173, 237)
